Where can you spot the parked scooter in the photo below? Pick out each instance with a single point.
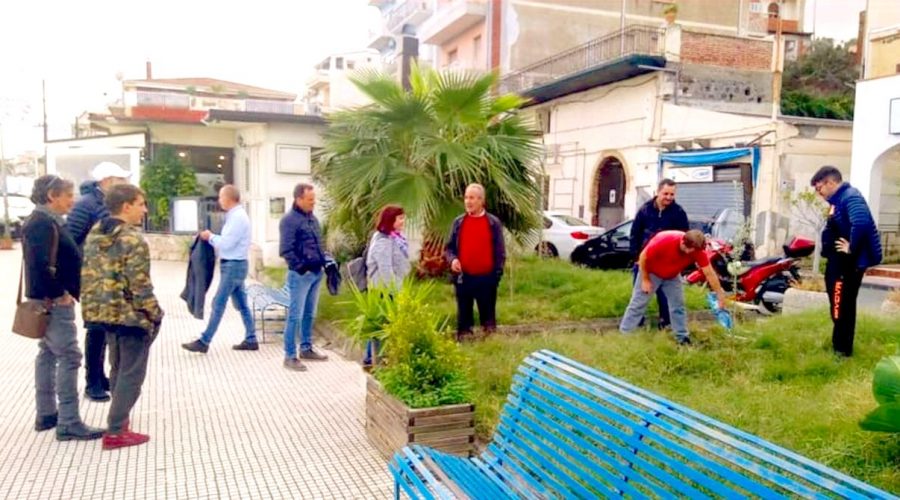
(760, 284)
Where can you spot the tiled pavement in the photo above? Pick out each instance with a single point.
(227, 424)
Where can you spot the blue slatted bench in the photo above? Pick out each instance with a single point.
(263, 298)
(571, 431)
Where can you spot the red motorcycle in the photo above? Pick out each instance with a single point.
(760, 284)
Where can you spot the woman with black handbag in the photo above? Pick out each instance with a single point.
(53, 274)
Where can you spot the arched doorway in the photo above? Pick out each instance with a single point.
(885, 198)
(610, 203)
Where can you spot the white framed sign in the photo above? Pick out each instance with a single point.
(293, 159)
(690, 174)
(894, 124)
(185, 215)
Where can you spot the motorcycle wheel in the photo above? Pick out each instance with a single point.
(777, 284)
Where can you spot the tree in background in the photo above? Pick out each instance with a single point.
(420, 148)
(810, 210)
(820, 83)
(163, 178)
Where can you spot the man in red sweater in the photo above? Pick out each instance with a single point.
(660, 265)
(476, 252)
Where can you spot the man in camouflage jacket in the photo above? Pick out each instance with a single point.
(117, 296)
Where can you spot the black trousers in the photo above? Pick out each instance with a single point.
(843, 282)
(471, 290)
(94, 358)
(128, 356)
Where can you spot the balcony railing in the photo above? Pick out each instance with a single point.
(633, 40)
(403, 13)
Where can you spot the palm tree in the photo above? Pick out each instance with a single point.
(420, 148)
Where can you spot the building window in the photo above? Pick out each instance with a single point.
(350, 64)
(773, 10)
(452, 57)
(339, 63)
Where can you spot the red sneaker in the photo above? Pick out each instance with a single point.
(126, 438)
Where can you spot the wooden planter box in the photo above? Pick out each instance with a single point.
(796, 301)
(391, 425)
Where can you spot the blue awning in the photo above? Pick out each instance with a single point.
(704, 157)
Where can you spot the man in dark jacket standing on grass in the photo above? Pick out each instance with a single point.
(477, 253)
(851, 243)
(659, 214)
(89, 210)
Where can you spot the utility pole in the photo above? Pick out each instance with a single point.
(779, 65)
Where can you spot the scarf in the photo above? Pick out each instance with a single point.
(50, 213)
(401, 242)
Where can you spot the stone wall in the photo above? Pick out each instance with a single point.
(173, 247)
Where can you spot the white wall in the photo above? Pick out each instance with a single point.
(192, 135)
(259, 157)
(74, 159)
(870, 135)
(615, 120)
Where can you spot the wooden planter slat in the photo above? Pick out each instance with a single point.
(391, 425)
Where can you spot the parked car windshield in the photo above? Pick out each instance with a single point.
(569, 220)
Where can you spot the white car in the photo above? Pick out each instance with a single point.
(562, 233)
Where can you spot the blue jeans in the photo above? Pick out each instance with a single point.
(304, 292)
(639, 301)
(372, 348)
(660, 299)
(231, 284)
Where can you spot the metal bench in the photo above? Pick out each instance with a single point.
(570, 431)
(263, 298)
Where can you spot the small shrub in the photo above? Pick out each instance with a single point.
(422, 365)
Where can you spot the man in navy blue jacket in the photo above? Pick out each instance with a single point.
(659, 214)
(851, 243)
(303, 250)
(89, 210)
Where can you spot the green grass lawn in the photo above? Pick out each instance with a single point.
(532, 290)
(775, 378)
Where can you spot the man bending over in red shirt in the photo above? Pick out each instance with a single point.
(660, 264)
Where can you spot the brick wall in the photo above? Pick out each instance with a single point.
(725, 51)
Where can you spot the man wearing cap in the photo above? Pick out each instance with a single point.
(89, 210)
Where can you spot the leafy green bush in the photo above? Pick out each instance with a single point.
(422, 366)
(374, 307)
(164, 178)
(886, 387)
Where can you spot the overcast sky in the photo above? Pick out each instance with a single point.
(79, 47)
